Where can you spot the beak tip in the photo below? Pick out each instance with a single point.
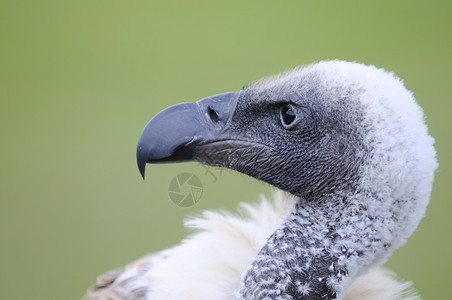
(141, 162)
(142, 168)
(142, 173)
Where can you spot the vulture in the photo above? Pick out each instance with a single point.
(347, 149)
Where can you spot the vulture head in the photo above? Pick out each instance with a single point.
(347, 139)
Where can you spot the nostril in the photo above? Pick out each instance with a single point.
(213, 115)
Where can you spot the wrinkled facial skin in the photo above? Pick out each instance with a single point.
(303, 142)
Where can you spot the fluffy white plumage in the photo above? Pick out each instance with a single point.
(217, 256)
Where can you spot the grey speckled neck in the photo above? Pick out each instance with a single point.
(316, 250)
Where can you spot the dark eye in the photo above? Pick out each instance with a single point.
(288, 116)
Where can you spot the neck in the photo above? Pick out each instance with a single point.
(316, 251)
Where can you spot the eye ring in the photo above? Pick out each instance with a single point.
(287, 115)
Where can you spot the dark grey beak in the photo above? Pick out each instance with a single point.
(174, 133)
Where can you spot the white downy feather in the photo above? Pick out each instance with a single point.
(210, 264)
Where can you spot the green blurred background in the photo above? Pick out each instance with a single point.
(80, 79)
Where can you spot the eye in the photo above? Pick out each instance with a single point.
(287, 115)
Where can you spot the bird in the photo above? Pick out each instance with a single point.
(347, 150)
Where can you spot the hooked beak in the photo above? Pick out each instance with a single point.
(176, 133)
